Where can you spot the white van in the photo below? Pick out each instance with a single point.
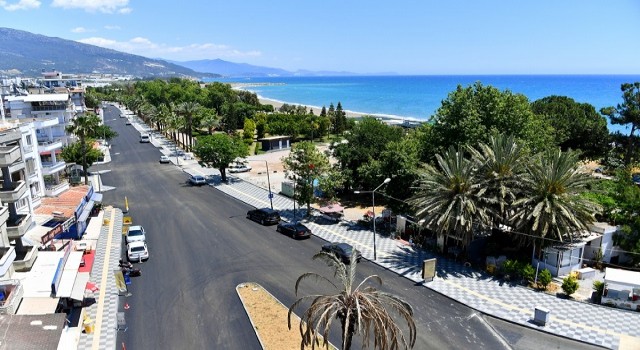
(144, 138)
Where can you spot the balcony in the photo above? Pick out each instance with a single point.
(9, 155)
(7, 256)
(10, 135)
(14, 193)
(16, 229)
(4, 216)
(48, 146)
(51, 168)
(46, 122)
(13, 292)
(53, 190)
(24, 262)
(17, 166)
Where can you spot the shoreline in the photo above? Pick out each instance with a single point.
(350, 114)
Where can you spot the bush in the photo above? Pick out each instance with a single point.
(569, 285)
(544, 278)
(511, 268)
(598, 287)
(527, 272)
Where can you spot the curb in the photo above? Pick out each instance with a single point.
(253, 326)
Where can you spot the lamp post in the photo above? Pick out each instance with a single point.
(268, 179)
(373, 198)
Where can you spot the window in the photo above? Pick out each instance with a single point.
(29, 141)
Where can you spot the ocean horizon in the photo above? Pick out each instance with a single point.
(417, 97)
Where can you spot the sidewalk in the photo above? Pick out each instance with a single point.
(594, 324)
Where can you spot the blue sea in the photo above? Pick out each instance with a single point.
(418, 97)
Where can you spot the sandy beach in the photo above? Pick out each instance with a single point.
(316, 111)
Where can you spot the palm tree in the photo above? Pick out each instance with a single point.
(552, 205)
(188, 110)
(501, 168)
(361, 309)
(448, 198)
(83, 126)
(210, 119)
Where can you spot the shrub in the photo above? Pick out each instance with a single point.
(569, 285)
(544, 278)
(527, 272)
(510, 268)
(598, 287)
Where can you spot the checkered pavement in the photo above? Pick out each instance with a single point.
(581, 321)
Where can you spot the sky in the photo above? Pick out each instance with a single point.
(364, 37)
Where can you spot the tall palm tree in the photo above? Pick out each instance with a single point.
(361, 309)
(188, 110)
(448, 197)
(83, 126)
(551, 205)
(501, 167)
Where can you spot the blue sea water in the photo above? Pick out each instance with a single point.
(418, 97)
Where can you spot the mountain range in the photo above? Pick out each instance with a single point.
(26, 54)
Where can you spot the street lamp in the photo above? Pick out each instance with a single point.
(268, 179)
(373, 197)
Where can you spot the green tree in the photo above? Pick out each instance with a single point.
(552, 205)
(363, 145)
(83, 126)
(104, 132)
(249, 130)
(470, 115)
(210, 120)
(340, 120)
(218, 151)
(576, 125)
(360, 309)
(75, 153)
(570, 285)
(544, 278)
(448, 198)
(627, 114)
(304, 164)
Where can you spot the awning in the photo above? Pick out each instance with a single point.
(69, 275)
(79, 286)
(622, 277)
(37, 306)
(96, 197)
(86, 211)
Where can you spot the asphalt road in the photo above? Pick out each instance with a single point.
(202, 247)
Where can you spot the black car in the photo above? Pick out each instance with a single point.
(294, 229)
(264, 216)
(342, 251)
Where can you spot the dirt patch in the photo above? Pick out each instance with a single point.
(269, 318)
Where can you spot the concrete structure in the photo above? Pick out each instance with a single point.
(622, 289)
(275, 143)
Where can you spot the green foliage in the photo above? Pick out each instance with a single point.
(249, 129)
(570, 285)
(304, 164)
(361, 146)
(103, 132)
(73, 153)
(627, 113)
(470, 115)
(576, 125)
(598, 287)
(511, 268)
(544, 278)
(330, 183)
(527, 272)
(219, 150)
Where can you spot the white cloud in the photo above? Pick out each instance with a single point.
(105, 6)
(145, 47)
(112, 27)
(79, 30)
(20, 5)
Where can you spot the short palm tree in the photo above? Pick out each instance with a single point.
(448, 198)
(188, 110)
(551, 205)
(361, 310)
(83, 126)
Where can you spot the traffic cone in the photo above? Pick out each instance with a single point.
(126, 306)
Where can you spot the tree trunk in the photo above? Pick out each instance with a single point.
(347, 335)
(627, 155)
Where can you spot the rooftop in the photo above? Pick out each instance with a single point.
(66, 203)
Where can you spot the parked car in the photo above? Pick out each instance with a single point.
(264, 216)
(294, 229)
(164, 160)
(239, 168)
(136, 233)
(343, 251)
(197, 180)
(137, 251)
(128, 122)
